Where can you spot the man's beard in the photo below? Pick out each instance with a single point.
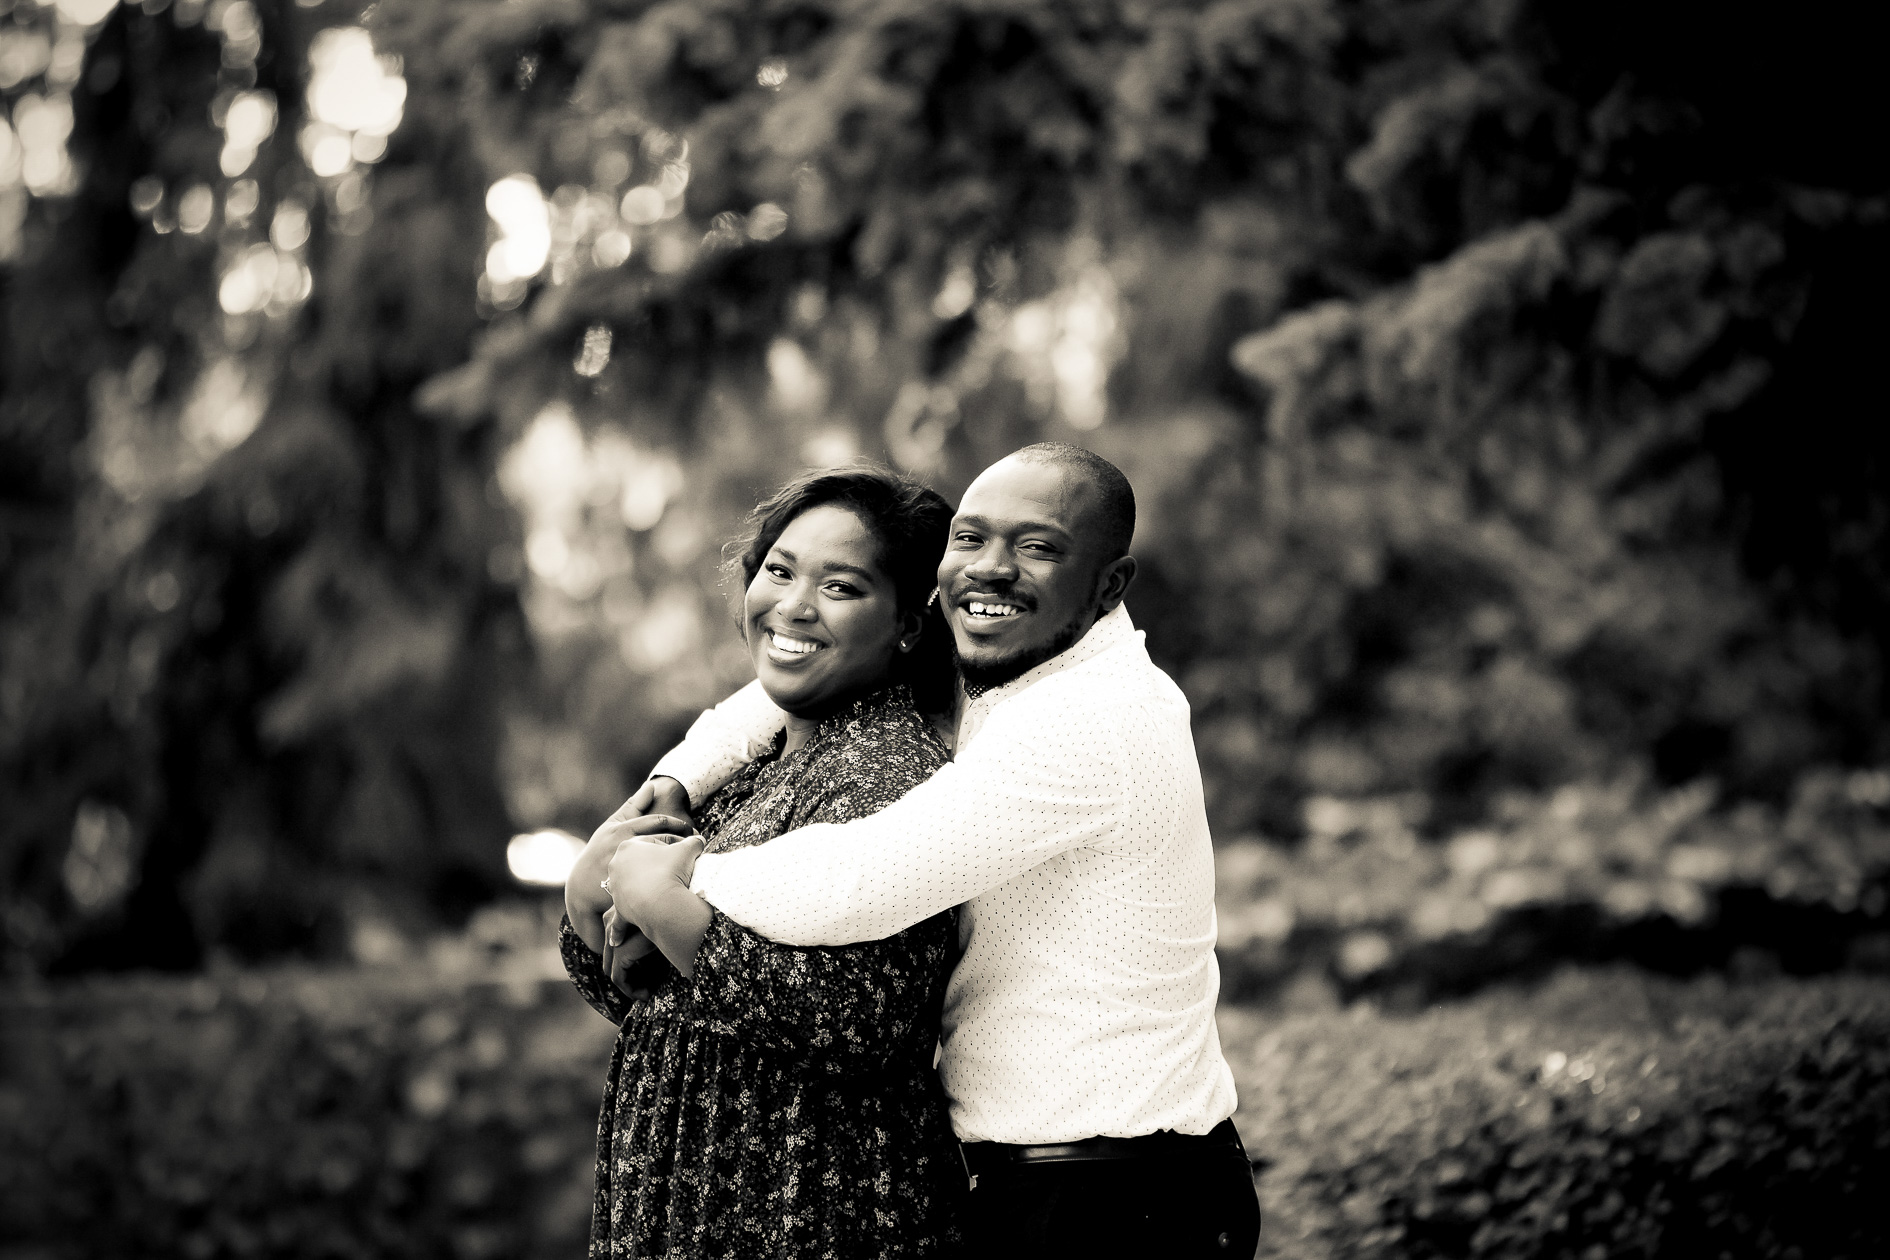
(979, 679)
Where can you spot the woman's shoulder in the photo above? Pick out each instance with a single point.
(883, 747)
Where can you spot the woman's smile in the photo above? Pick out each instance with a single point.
(790, 649)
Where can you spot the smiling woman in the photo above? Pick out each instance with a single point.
(749, 1068)
(821, 620)
(838, 571)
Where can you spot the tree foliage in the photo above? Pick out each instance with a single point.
(1489, 372)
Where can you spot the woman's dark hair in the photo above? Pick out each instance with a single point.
(912, 523)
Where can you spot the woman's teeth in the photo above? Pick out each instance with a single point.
(799, 647)
(978, 609)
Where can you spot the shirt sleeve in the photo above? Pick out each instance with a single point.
(722, 741)
(840, 1012)
(1040, 779)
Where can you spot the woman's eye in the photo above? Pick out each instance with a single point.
(779, 571)
(842, 589)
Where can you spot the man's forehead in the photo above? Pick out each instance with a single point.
(1018, 489)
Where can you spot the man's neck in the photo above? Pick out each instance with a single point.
(975, 682)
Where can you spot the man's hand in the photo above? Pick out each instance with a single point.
(662, 806)
(661, 795)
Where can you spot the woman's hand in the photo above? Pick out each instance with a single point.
(624, 946)
(649, 885)
(659, 806)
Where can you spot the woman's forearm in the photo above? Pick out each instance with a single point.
(584, 897)
(677, 920)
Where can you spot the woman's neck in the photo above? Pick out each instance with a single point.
(803, 722)
(799, 731)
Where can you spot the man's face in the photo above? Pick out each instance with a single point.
(1019, 577)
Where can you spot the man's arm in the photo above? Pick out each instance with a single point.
(1019, 795)
(722, 741)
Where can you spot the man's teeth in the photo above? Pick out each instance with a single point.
(800, 647)
(979, 609)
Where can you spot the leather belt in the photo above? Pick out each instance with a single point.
(987, 1157)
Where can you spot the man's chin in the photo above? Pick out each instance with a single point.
(983, 671)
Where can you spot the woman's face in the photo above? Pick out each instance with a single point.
(821, 617)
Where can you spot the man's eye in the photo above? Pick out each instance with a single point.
(966, 540)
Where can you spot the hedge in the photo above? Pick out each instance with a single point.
(300, 1115)
(1594, 873)
(1608, 1115)
(410, 1113)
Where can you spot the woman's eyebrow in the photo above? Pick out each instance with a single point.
(839, 566)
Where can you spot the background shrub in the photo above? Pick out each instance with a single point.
(1608, 1115)
(301, 1115)
(1670, 879)
(408, 1113)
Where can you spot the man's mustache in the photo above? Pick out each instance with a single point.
(997, 591)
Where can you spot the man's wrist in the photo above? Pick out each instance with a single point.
(672, 795)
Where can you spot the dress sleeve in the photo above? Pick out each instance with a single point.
(722, 741)
(586, 969)
(840, 1011)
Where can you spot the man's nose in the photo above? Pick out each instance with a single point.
(993, 563)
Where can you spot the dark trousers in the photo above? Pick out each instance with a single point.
(1181, 1203)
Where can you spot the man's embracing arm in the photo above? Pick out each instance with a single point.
(722, 741)
(1038, 780)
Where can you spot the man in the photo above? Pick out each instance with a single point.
(1078, 1044)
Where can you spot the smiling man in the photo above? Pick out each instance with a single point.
(1078, 1043)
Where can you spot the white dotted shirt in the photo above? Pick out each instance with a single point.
(1071, 828)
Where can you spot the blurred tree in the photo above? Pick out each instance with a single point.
(1537, 285)
(1488, 372)
(254, 655)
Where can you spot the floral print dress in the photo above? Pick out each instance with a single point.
(782, 1103)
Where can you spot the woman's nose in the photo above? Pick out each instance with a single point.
(796, 606)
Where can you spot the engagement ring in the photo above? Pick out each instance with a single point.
(606, 884)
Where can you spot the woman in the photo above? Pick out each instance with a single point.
(764, 1100)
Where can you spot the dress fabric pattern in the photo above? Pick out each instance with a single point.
(782, 1102)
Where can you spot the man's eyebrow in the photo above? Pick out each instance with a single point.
(1014, 527)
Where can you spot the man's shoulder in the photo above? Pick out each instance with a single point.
(1123, 675)
(1127, 698)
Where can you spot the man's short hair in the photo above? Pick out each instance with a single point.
(1114, 509)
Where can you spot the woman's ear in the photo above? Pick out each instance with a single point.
(911, 626)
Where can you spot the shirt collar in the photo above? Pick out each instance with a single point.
(1112, 630)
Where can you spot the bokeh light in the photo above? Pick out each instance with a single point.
(353, 88)
(543, 858)
(524, 221)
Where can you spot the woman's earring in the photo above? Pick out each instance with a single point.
(934, 599)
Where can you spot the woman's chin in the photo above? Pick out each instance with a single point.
(812, 697)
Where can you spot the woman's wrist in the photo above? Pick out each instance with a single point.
(677, 920)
